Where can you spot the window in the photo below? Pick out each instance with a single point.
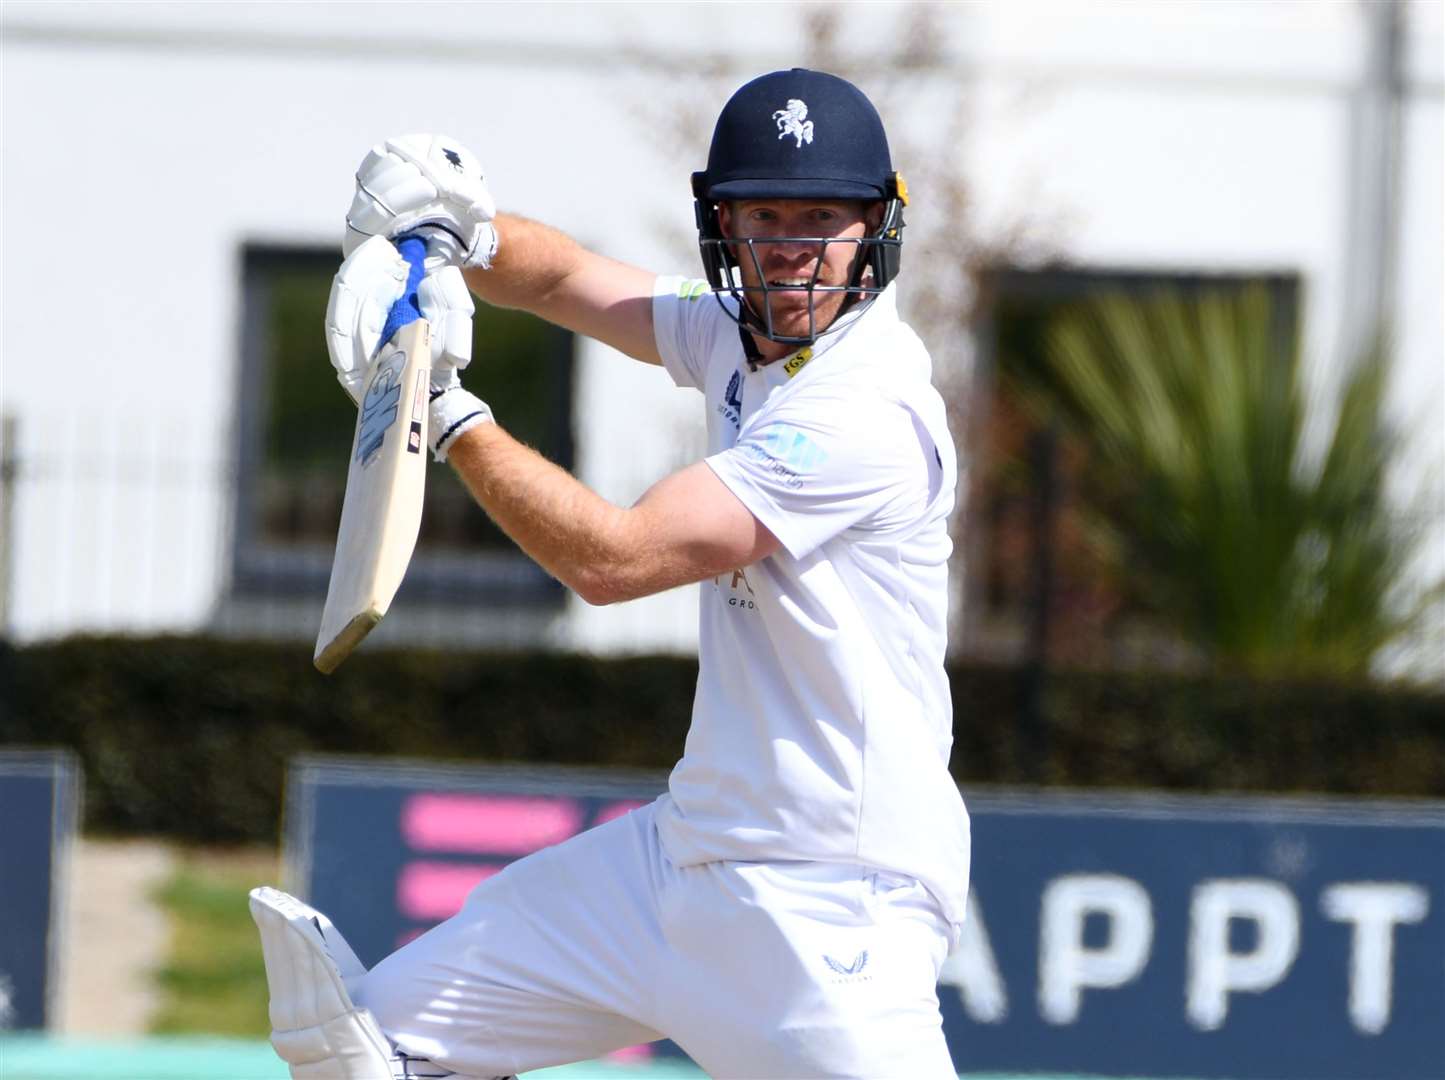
(1041, 585)
(296, 426)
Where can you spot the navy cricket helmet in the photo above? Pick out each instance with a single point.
(798, 134)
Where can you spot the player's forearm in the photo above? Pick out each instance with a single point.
(573, 533)
(532, 263)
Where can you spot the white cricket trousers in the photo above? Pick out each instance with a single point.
(760, 971)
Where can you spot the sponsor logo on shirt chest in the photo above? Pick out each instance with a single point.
(734, 590)
(731, 406)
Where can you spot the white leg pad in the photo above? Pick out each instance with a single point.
(316, 1028)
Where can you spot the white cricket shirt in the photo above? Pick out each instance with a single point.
(822, 723)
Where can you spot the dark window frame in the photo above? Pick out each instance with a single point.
(262, 569)
(986, 627)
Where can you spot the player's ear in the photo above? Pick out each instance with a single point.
(873, 215)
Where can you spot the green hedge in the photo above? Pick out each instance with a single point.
(188, 737)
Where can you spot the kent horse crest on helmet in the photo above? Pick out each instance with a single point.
(794, 121)
(846, 158)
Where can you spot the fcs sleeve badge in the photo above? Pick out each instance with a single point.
(794, 121)
(794, 364)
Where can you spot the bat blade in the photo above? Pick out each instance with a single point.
(385, 488)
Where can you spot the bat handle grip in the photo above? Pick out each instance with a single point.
(407, 309)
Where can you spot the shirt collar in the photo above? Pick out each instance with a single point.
(882, 309)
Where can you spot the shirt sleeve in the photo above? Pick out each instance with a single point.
(684, 316)
(823, 465)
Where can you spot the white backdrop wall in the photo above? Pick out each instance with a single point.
(143, 144)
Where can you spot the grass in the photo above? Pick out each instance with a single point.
(212, 981)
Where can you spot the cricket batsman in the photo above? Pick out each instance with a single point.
(783, 911)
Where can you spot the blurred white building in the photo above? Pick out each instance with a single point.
(149, 147)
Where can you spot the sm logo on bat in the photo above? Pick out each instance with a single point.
(379, 407)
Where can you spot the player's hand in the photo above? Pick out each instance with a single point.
(372, 278)
(447, 305)
(426, 183)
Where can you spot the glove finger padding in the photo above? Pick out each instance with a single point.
(424, 181)
(447, 306)
(452, 169)
(387, 186)
(370, 281)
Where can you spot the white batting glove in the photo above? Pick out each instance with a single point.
(370, 281)
(372, 278)
(427, 183)
(447, 305)
(452, 412)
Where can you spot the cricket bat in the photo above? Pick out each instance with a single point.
(385, 480)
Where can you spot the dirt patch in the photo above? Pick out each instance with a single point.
(112, 936)
(115, 936)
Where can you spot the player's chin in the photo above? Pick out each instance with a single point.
(794, 317)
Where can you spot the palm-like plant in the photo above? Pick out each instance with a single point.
(1269, 559)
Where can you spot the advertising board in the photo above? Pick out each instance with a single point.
(1202, 937)
(39, 795)
(1259, 939)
